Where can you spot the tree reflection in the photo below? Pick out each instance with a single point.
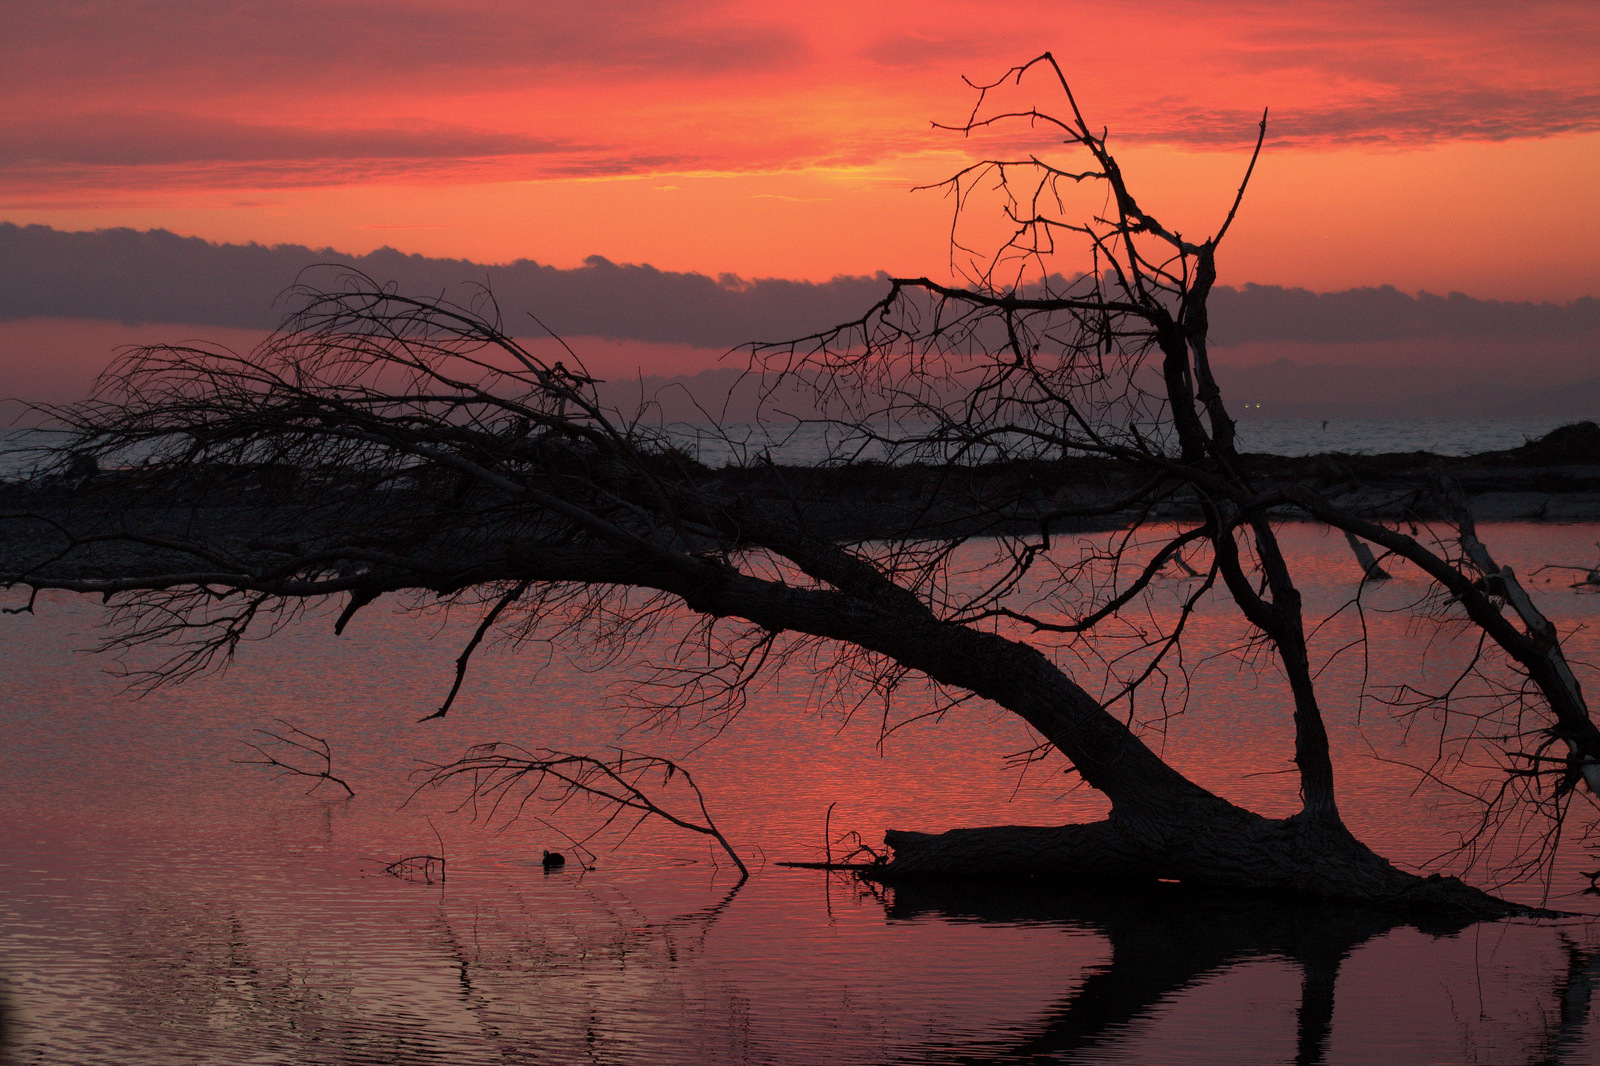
(1165, 939)
(678, 971)
(1574, 995)
(592, 979)
(5, 1020)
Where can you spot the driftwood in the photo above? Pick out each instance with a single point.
(411, 867)
(414, 866)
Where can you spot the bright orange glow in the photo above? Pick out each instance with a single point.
(1433, 146)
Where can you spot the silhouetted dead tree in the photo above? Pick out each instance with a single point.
(1025, 364)
(383, 444)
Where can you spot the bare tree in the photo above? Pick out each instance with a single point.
(385, 444)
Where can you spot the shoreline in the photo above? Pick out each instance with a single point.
(1554, 479)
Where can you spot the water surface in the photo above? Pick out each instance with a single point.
(163, 904)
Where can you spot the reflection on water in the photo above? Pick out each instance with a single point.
(1165, 940)
(788, 969)
(160, 904)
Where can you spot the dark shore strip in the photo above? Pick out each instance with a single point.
(1553, 479)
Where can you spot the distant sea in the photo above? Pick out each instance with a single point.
(810, 444)
(1376, 436)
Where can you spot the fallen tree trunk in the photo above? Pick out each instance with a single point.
(1289, 857)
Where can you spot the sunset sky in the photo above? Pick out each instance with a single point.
(1429, 145)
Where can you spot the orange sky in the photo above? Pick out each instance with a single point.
(1443, 145)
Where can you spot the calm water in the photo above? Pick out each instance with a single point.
(162, 904)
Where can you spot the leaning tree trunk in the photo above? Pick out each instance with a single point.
(1161, 826)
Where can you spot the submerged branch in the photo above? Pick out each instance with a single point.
(501, 776)
(295, 739)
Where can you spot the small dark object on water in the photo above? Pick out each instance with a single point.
(554, 860)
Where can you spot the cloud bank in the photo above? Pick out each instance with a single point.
(148, 277)
(132, 277)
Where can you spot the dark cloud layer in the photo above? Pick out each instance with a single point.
(1271, 313)
(156, 276)
(128, 276)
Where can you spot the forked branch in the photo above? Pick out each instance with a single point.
(291, 747)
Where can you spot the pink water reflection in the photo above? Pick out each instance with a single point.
(163, 904)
